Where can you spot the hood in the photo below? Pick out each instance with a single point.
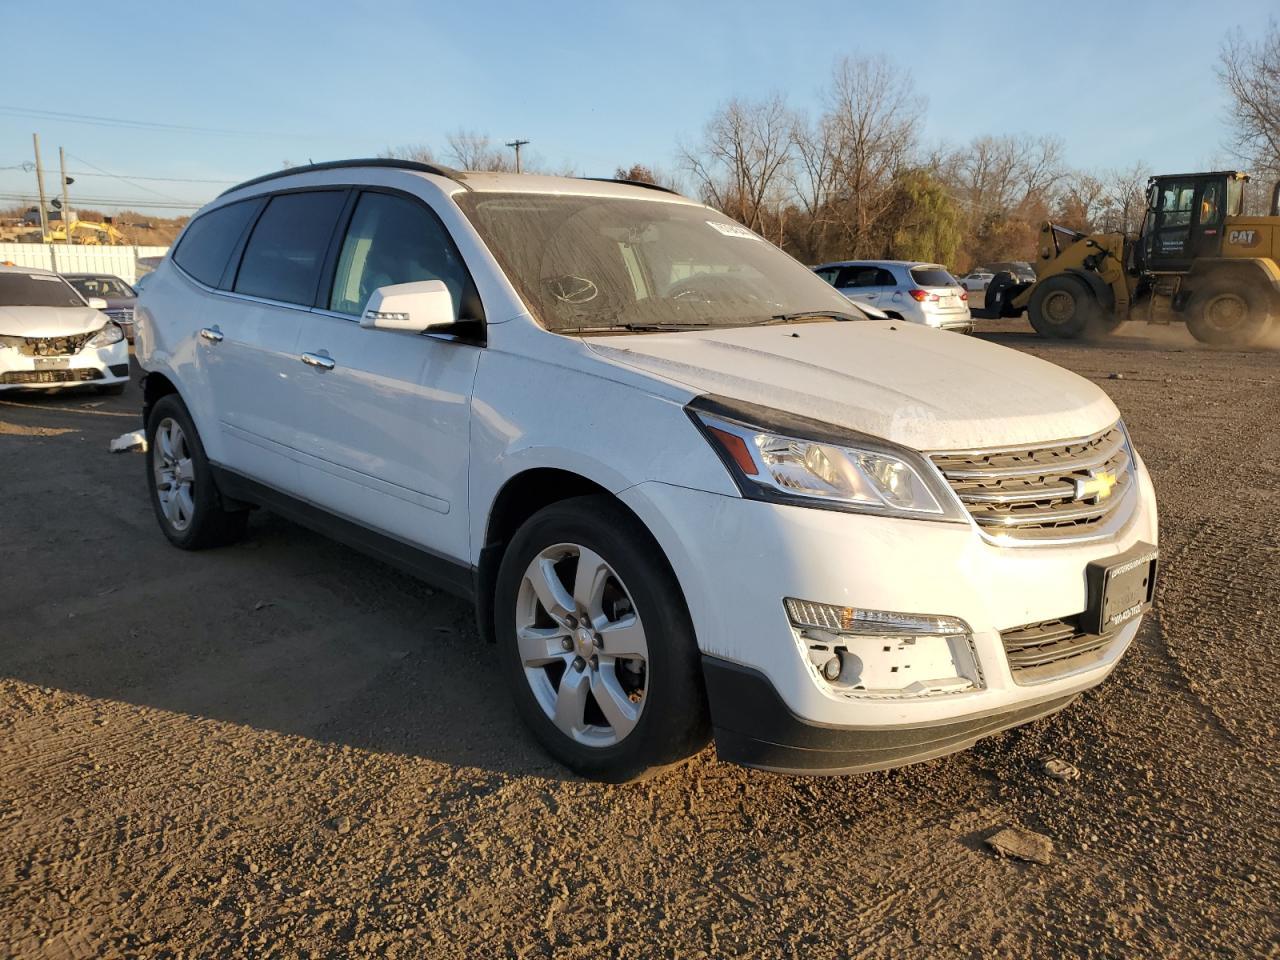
(49, 321)
(116, 303)
(921, 388)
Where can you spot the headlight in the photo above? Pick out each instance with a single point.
(107, 336)
(783, 458)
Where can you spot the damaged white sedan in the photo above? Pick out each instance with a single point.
(51, 337)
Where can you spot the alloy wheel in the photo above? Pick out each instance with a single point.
(582, 644)
(174, 475)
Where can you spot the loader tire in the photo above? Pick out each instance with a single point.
(995, 298)
(1230, 311)
(1064, 308)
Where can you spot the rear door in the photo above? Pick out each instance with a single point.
(384, 429)
(254, 360)
(864, 283)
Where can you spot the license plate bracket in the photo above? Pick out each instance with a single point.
(52, 363)
(1120, 588)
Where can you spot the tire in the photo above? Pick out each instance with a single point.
(113, 389)
(1230, 311)
(1064, 308)
(197, 519)
(993, 299)
(622, 717)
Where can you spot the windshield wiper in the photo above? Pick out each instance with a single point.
(637, 327)
(808, 315)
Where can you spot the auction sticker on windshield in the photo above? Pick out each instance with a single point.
(732, 230)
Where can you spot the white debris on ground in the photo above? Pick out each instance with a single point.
(129, 441)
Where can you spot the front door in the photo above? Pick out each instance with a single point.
(1184, 222)
(383, 421)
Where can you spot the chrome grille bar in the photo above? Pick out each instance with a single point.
(1041, 491)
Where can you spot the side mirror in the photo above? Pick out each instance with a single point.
(97, 303)
(410, 307)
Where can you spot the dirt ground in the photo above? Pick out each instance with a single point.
(283, 749)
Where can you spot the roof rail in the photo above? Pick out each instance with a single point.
(341, 164)
(634, 183)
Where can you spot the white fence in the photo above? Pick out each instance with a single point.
(121, 262)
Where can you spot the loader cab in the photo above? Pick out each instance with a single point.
(1185, 218)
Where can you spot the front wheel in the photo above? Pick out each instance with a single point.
(596, 642)
(1064, 308)
(1230, 312)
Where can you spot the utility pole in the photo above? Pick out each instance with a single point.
(66, 206)
(44, 220)
(516, 145)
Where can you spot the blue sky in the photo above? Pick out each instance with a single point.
(592, 85)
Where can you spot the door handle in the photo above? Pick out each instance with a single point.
(212, 334)
(317, 360)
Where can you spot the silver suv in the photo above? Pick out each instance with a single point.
(917, 292)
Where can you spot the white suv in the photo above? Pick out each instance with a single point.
(690, 488)
(909, 290)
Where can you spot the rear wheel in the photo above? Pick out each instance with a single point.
(1064, 308)
(596, 642)
(186, 501)
(1230, 311)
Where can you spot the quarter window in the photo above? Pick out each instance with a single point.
(206, 246)
(393, 240)
(285, 253)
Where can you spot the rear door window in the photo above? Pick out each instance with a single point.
(861, 277)
(393, 239)
(932, 277)
(206, 246)
(285, 253)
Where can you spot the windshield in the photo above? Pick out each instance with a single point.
(596, 264)
(105, 287)
(36, 290)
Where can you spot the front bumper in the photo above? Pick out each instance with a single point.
(92, 366)
(737, 559)
(756, 729)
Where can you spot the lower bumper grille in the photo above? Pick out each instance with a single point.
(1053, 648)
(17, 377)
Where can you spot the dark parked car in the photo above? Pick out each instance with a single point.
(119, 295)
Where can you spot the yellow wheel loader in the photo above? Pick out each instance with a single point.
(1198, 259)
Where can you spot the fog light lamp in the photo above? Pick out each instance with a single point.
(879, 653)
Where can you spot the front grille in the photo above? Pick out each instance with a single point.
(1030, 493)
(50, 346)
(1052, 648)
(50, 376)
(120, 314)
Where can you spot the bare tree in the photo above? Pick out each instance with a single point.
(1250, 72)
(813, 177)
(740, 165)
(418, 152)
(875, 114)
(475, 151)
(1126, 200)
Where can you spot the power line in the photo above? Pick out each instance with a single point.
(84, 118)
(118, 202)
(28, 166)
(116, 176)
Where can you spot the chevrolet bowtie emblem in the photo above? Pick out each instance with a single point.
(1097, 487)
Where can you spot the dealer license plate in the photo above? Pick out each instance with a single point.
(1120, 588)
(52, 363)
